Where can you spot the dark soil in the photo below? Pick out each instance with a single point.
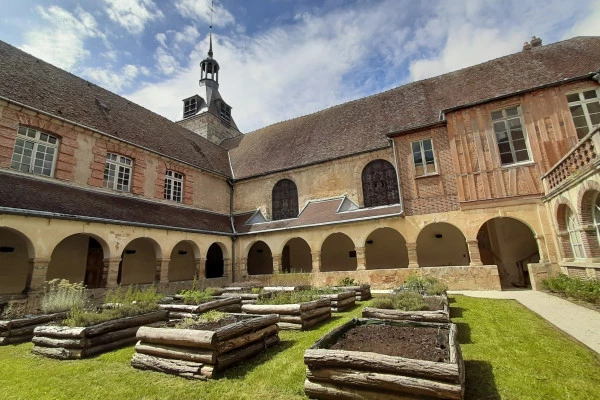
(400, 341)
(208, 326)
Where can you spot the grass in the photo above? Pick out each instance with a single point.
(522, 359)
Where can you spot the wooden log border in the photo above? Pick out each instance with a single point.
(341, 374)
(20, 330)
(422, 316)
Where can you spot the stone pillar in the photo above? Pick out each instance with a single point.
(162, 270)
(360, 258)
(277, 269)
(412, 255)
(226, 267)
(244, 267)
(474, 255)
(111, 272)
(316, 261)
(541, 244)
(200, 268)
(39, 269)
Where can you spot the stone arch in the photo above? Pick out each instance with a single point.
(284, 200)
(80, 258)
(379, 181)
(296, 256)
(385, 248)
(215, 260)
(16, 253)
(338, 253)
(588, 210)
(511, 244)
(561, 208)
(260, 259)
(441, 244)
(182, 263)
(139, 261)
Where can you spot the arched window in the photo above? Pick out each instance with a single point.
(380, 185)
(574, 236)
(285, 200)
(596, 215)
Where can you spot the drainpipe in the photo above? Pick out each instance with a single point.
(234, 234)
(397, 175)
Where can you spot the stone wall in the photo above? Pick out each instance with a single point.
(209, 127)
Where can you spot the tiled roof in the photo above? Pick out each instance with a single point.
(27, 194)
(316, 212)
(35, 83)
(362, 124)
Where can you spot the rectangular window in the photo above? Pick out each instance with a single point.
(585, 110)
(34, 152)
(423, 157)
(117, 172)
(173, 186)
(225, 112)
(189, 107)
(510, 135)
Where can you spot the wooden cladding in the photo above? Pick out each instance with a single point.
(479, 171)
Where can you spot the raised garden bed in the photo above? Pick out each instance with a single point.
(371, 358)
(204, 349)
(438, 311)
(286, 288)
(67, 343)
(362, 292)
(294, 316)
(341, 301)
(20, 330)
(247, 296)
(179, 311)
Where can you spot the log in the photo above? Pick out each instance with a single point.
(311, 305)
(26, 330)
(126, 322)
(390, 382)
(287, 326)
(328, 391)
(285, 288)
(5, 325)
(243, 296)
(56, 352)
(176, 352)
(399, 315)
(212, 305)
(75, 343)
(103, 348)
(207, 371)
(293, 319)
(14, 339)
(113, 336)
(238, 355)
(315, 321)
(247, 325)
(244, 340)
(286, 309)
(37, 320)
(315, 313)
(187, 308)
(232, 308)
(186, 369)
(373, 362)
(59, 331)
(181, 315)
(178, 337)
(350, 301)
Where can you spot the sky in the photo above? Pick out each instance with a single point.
(280, 59)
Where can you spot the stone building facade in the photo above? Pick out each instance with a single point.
(484, 183)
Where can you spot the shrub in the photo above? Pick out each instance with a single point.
(211, 316)
(347, 281)
(406, 301)
(61, 295)
(424, 285)
(125, 303)
(197, 296)
(289, 279)
(383, 302)
(577, 288)
(291, 297)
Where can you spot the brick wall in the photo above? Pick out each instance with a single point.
(188, 180)
(106, 145)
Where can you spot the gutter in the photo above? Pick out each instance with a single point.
(49, 214)
(234, 233)
(397, 175)
(112, 137)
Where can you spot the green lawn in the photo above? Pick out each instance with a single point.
(510, 353)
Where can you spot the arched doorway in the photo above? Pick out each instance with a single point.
(260, 259)
(338, 253)
(15, 252)
(510, 244)
(296, 256)
(385, 248)
(79, 258)
(139, 261)
(182, 265)
(441, 244)
(215, 263)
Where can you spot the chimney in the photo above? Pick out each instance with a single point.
(535, 42)
(526, 46)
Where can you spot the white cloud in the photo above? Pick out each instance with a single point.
(133, 15)
(60, 40)
(189, 35)
(114, 80)
(590, 26)
(161, 38)
(165, 62)
(200, 10)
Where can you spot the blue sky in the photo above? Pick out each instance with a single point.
(280, 58)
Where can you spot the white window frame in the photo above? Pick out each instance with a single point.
(424, 163)
(173, 184)
(38, 141)
(596, 215)
(506, 120)
(574, 235)
(190, 107)
(120, 166)
(583, 103)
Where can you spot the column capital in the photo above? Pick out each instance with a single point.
(40, 261)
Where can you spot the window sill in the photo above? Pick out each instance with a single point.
(520, 164)
(427, 175)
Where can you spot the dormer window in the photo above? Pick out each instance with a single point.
(190, 107)
(225, 112)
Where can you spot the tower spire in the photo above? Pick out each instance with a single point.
(212, 11)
